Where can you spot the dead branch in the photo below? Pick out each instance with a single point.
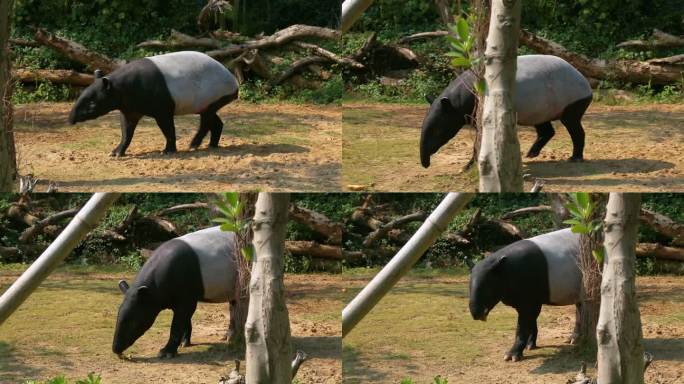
(183, 207)
(658, 39)
(24, 43)
(179, 41)
(19, 213)
(672, 60)
(77, 52)
(382, 231)
(314, 249)
(37, 227)
(659, 251)
(298, 66)
(422, 36)
(663, 225)
(284, 36)
(329, 55)
(56, 76)
(527, 211)
(317, 222)
(300, 357)
(8, 254)
(631, 71)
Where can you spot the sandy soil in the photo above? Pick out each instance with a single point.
(269, 147)
(628, 148)
(432, 334)
(66, 328)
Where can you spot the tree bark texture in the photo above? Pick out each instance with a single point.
(77, 52)
(620, 353)
(267, 330)
(8, 162)
(499, 159)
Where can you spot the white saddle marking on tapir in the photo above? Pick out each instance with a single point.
(214, 249)
(194, 80)
(561, 249)
(545, 85)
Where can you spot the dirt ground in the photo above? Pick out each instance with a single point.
(66, 327)
(628, 148)
(271, 147)
(423, 329)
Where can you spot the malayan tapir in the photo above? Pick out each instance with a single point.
(195, 267)
(547, 88)
(524, 275)
(178, 83)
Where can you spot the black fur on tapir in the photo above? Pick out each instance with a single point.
(161, 86)
(525, 275)
(180, 272)
(547, 88)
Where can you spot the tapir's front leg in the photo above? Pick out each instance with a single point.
(527, 318)
(129, 121)
(182, 316)
(168, 128)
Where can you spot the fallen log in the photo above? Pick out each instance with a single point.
(77, 52)
(37, 227)
(629, 71)
(663, 225)
(659, 251)
(183, 207)
(9, 254)
(20, 213)
(55, 76)
(180, 41)
(317, 222)
(284, 36)
(346, 61)
(527, 211)
(24, 43)
(658, 40)
(298, 66)
(382, 231)
(314, 249)
(422, 36)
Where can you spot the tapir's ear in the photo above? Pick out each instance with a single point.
(445, 102)
(98, 74)
(107, 84)
(429, 98)
(123, 286)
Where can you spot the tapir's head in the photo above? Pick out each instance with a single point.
(486, 286)
(96, 100)
(136, 315)
(442, 122)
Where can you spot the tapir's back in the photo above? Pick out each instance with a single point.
(214, 249)
(194, 80)
(561, 250)
(545, 85)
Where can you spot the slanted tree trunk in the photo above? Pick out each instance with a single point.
(8, 162)
(620, 353)
(267, 331)
(499, 159)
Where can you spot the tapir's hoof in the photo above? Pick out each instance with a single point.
(167, 354)
(168, 152)
(576, 159)
(512, 357)
(531, 347)
(186, 344)
(194, 147)
(531, 155)
(116, 153)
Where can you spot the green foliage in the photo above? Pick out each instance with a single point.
(91, 379)
(44, 91)
(230, 206)
(132, 261)
(436, 380)
(581, 208)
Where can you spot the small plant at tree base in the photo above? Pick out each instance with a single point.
(582, 209)
(230, 206)
(462, 53)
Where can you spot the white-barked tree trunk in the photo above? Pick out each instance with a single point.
(267, 331)
(620, 352)
(499, 158)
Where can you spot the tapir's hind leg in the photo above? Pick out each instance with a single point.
(211, 122)
(544, 133)
(572, 119)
